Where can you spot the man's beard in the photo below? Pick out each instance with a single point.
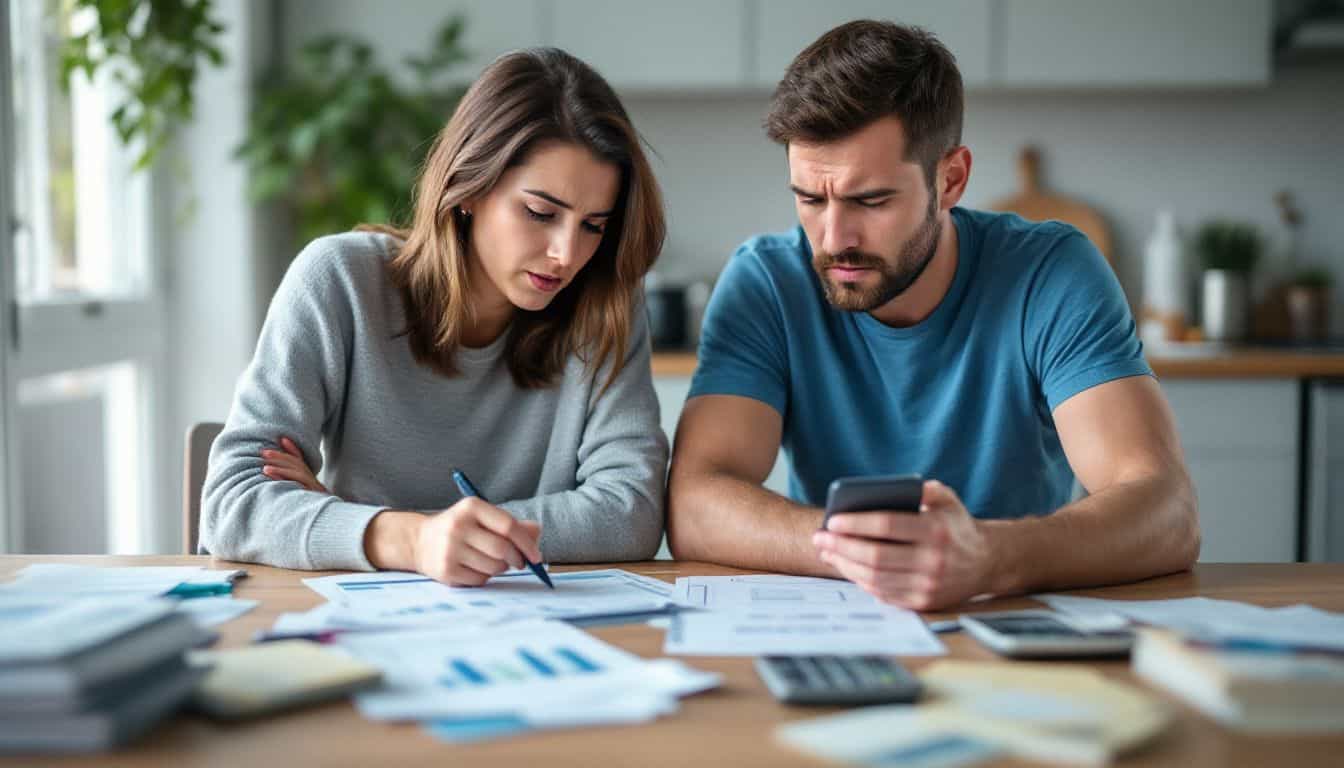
(892, 281)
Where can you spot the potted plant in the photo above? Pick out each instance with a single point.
(339, 139)
(154, 50)
(1227, 251)
(1309, 304)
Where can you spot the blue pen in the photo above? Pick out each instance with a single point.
(464, 485)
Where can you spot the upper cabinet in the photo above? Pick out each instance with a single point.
(786, 27)
(702, 46)
(408, 27)
(1135, 43)
(691, 45)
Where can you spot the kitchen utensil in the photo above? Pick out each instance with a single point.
(1032, 202)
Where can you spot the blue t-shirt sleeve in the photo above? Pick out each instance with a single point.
(1078, 330)
(742, 346)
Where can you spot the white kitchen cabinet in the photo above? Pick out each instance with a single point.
(786, 27)
(407, 27)
(707, 46)
(1241, 444)
(690, 45)
(1136, 43)
(672, 391)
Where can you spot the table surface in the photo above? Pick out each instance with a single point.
(730, 726)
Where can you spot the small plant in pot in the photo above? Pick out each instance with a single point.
(1227, 251)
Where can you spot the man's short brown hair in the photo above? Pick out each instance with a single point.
(863, 71)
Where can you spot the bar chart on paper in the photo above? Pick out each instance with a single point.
(447, 673)
(515, 665)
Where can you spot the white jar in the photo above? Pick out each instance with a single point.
(1165, 307)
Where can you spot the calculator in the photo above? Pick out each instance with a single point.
(820, 680)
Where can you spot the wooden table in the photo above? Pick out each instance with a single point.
(732, 726)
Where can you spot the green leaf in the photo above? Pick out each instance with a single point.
(339, 139)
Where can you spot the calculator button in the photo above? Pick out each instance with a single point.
(836, 673)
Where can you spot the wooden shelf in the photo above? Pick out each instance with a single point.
(673, 363)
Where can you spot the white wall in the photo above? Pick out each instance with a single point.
(215, 274)
(1203, 153)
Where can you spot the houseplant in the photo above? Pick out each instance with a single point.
(153, 50)
(1228, 251)
(338, 139)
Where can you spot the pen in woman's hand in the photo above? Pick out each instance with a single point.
(464, 485)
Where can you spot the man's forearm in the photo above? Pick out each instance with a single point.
(1131, 531)
(718, 518)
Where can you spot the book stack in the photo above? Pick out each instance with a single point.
(1247, 686)
(89, 675)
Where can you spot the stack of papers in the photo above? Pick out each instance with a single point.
(1295, 626)
(202, 593)
(777, 615)
(526, 673)
(483, 662)
(92, 674)
(70, 581)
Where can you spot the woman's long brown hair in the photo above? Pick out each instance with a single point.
(521, 99)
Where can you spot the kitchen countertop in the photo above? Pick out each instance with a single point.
(1175, 361)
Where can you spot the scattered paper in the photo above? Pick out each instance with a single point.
(213, 611)
(1224, 620)
(72, 581)
(401, 599)
(547, 672)
(758, 632)
(771, 591)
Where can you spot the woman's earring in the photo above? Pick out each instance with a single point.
(464, 211)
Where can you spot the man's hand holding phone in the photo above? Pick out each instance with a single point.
(920, 552)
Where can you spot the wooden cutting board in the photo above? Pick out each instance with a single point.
(1032, 202)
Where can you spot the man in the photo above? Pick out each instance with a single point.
(894, 332)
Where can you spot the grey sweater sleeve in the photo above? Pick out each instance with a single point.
(294, 385)
(616, 512)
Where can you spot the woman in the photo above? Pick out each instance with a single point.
(500, 334)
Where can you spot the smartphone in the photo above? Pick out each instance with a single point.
(1044, 635)
(873, 493)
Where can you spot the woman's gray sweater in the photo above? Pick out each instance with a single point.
(331, 368)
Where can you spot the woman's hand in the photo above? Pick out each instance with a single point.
(473, 540)
(289, 465)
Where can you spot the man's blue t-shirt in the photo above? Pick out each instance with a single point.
(1034, 316)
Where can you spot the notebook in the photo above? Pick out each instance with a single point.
(268, 677)
(69, 652)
